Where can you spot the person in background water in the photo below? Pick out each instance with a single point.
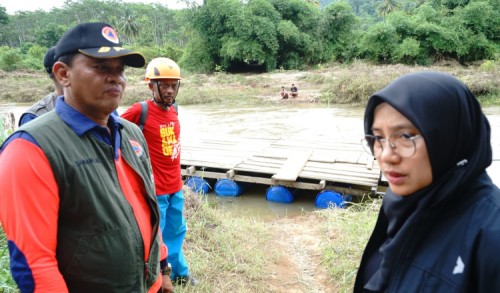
(49, 101)
(78, 203)
(294, 90)
(159, 122)
(438, 229)
(283, 93)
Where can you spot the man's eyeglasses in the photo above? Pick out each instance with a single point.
(402, 144)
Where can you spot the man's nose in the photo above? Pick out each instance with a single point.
(116, 77)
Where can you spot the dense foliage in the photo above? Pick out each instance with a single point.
(263, 35)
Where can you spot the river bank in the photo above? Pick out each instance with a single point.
(313, 252)
(330, 84)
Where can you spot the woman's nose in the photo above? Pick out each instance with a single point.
(388, 151)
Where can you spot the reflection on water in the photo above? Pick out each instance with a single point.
(297, 121)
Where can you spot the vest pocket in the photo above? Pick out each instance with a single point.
(104, 262)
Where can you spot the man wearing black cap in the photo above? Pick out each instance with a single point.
(49, 101)
(78, 202)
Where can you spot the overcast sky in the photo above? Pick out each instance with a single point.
(31, 5)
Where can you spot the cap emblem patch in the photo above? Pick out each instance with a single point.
(109, 34)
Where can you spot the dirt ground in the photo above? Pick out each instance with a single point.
(299, 266)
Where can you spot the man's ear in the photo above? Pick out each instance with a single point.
(61, 73)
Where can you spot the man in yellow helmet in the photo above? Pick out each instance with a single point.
(158, 120)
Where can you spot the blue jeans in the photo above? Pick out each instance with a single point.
(173, 227)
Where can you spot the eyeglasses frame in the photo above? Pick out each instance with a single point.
(383, 141)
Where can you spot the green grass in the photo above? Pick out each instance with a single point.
(3, 132)
(490, 99)
(228, 252)
(7, 284)
(224, 251)
(346, 232)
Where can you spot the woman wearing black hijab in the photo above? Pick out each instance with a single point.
(438, 229)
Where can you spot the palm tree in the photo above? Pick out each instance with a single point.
(314, 2)
(387, 6)
(129, 26)
(4, 17)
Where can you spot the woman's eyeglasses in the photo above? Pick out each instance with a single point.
(402, 144)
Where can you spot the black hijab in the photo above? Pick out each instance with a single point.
(457, 136)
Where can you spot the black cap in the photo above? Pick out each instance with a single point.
(49, 60)
(97, 40)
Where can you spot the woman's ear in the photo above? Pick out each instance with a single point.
(61, 73)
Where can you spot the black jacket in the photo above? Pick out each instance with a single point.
(444, 237)
(448, 248)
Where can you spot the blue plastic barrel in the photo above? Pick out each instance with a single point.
(227, 187)
(329, 198)
(198, 184)
(279, 193)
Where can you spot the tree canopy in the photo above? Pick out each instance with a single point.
(264, 35)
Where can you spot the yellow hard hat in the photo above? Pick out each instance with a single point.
(160, 68)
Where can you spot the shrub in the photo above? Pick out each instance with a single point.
(488, 65)
(407, 52)
(10, 59)
(378, 42)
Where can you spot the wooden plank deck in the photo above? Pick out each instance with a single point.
(341, 166)
(292, 167)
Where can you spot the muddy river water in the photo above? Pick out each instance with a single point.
(298, 121)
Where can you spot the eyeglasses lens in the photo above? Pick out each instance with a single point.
(402, 145)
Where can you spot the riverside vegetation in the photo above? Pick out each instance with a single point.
(329, 83)
(315, 252)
